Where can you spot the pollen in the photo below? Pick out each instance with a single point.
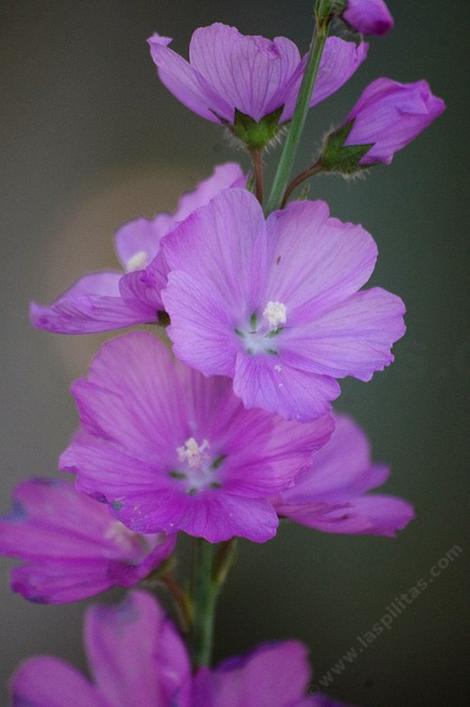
(275, 313)
(194, 454)
(137, 261)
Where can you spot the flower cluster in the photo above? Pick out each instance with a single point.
(217, 421)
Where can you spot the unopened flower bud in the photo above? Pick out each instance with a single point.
(387, 117)
(368, 16)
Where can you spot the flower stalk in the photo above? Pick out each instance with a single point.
(291, 145)
(204, 599)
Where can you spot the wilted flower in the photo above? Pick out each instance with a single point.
(111, 300)
(71, 546)
(171, 450)
(275, 304)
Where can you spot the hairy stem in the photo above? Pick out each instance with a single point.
(297, 125)
(302, 177)
(257, 158)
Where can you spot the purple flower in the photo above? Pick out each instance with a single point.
(108, 300)
(71, 546)
(389, 115)
(368, 16)
(229, 72)
(171, 450)
(273, 675)
(332, 496)
(136, 658)
(275, 304)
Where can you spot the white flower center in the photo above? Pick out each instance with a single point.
(276, 314)
(198, 468)
(138, 261)
(193, 454)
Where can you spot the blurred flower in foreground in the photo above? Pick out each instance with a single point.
(333, 495)
(368, 16)
(71, 546)
(137, 658)
(249, 83)
(109, 300)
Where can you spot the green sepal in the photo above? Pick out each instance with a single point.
(256, 136)
(338, 157)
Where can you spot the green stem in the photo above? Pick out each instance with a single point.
(257, 158)
(204, 591)
(297, 125)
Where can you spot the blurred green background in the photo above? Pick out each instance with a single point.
(89, 138)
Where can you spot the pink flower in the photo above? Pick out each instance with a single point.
(389, 115)
(276, 304)
(229, 72)
(112, 300)
(137, 659)
(333, 494)
(71, 546)
(368, 16)
(171, 450)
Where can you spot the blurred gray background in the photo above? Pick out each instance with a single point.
(89, 139)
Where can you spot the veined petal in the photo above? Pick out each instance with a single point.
(249, 73)
(180, 78)
(354, 338)
(265, 381)
(92, 304)
(339, 62)
(142, 410)
(317, 261)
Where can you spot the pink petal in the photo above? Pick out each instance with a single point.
(92, 304)
(265, 381)
(248, 73)
(354, 338)
(50, 681)
(180, 78)
(317, 261)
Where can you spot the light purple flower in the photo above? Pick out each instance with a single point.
(111, 300)
(275, 304)
(332, 496)
(228, 72)
(136, 659)
(71, 546)
(368, 16)
(171, 450)
(389, 115)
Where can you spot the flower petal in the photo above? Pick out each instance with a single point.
(92, 304)
(317, 261)
(263, 381)
(249, 73)
(50, 681)
(354, 338)
(273, 675)
(339, 62)
(136, 654)
(180, 78)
